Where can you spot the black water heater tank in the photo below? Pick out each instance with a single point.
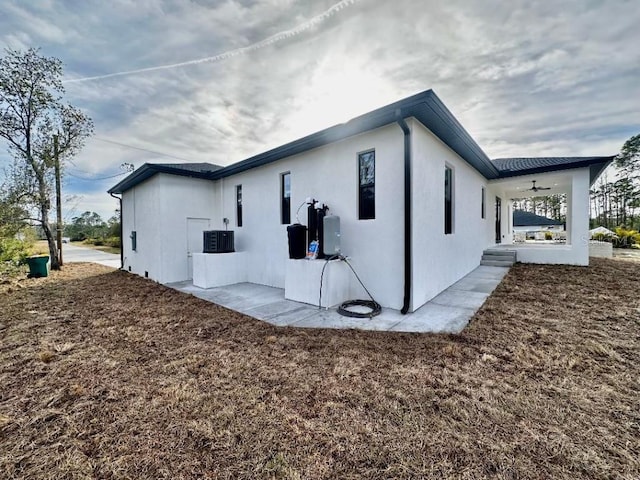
(297, 235)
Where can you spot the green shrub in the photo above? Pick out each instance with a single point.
(602, 237)
(98, 242)
(113, 242)
(548, 236)
(625, 238)
(13, 250)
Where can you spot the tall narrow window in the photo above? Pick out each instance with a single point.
(367, 185)
(483, 208)
(285, 197)
(448, 200)
(239, 205)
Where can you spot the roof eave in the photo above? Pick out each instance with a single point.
(442, 123)
(148, 170)
(596, 166)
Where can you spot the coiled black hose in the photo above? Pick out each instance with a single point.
(343, 309)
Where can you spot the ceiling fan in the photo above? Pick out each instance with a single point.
(535, 189)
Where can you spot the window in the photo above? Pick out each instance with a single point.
(483, 208)
(285, 198)
(239, 205)
(448, 200)
(367, 185)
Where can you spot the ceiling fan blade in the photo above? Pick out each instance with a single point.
(534, 188)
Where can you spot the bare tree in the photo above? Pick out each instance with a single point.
(31, 114)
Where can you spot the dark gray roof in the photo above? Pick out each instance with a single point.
(525, 219)
(203, 167)
(426, 107)
(511, 167)
(195, 170)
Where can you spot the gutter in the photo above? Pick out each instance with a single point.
(121, 239)
(407, 211)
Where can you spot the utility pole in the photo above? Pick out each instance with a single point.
(56, 160)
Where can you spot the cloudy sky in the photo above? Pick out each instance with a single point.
(220, 80)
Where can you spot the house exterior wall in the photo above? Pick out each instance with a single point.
(140, 214)
(328, 174)
(157, 209)
(188, 198)
(441, 259)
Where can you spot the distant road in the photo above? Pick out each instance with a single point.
(73, 253)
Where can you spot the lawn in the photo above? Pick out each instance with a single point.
(108, 375)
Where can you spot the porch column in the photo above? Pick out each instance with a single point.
(578, 224)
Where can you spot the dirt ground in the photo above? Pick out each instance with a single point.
(107, 375)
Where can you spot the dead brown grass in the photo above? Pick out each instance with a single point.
(146, 382)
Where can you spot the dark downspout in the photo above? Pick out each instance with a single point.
(407, 212)
(121, 239)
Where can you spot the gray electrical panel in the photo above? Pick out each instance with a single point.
(331, 235)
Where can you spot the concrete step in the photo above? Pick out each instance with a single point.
(500, 252)
(497, 263)
(499, 258)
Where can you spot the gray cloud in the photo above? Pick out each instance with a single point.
(525, 78)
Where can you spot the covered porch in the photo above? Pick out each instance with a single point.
(568, 247)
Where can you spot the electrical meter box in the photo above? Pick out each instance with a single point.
(331, 235)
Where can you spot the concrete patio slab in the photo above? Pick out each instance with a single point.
(292, 316)
(435, 318)
(460, 299)
(488, 273)
(274, 309)
(448, 312)
(470, 284)
(332, 319)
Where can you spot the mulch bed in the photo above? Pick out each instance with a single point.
(107, 375)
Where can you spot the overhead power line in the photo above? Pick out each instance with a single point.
(141, 149)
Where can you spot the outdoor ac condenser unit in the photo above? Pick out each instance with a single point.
(218, 241)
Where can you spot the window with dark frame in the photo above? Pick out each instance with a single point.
(484, 197)
(367, 185)
(448, 200)
(285, 196)
(239, 205)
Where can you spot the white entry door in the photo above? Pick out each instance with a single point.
(195, 239)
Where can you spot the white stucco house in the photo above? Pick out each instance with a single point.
(418, 201)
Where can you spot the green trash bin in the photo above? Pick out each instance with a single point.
(38, 266)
